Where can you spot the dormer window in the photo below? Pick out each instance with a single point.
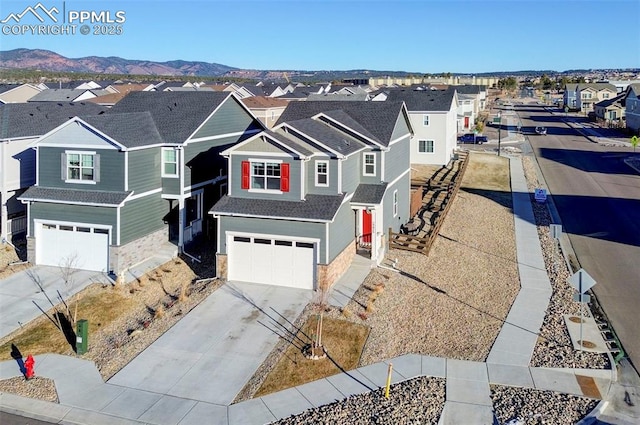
(369, 164)
(81, 167)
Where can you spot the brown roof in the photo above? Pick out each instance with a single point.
(123, 90)
(264, 102)
(108, 99)
(126, 88)
(216, 87)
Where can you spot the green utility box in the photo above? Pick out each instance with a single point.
(82, 336)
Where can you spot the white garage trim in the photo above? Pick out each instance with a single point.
(86, 244)
(272, 259)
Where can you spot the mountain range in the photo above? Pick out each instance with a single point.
(46, 60)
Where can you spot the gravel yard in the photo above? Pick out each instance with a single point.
(445, 304)
(416, 401)
(525, 406)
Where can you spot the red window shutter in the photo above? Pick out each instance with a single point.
(284, 177)
(245, 174)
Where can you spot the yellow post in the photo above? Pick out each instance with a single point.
(386, 391)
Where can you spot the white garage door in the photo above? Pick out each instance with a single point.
(75, 246)
(272, 261)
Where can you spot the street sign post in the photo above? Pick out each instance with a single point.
(556, 232)
(582, 281)
(540, 195)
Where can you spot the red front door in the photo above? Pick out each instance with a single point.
(466, 122)
(366, 226)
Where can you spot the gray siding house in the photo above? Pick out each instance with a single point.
(21, 124)
(111, 190)
(327, 181)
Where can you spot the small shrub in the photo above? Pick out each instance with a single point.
(159, 313)
(362, 315)
(346, 312)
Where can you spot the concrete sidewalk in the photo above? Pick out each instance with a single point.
(84, 399)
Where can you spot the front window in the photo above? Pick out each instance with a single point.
(322, 173)
(81, 167)
(395, 203)
(265, 175)
(369, 166)
(425, 120)
(169, 162)
(586, 95)
(425, 146)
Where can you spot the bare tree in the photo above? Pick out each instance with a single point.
(321, 302)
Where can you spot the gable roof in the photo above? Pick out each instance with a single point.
(132, 129)
(378, 118)
(58, 95)
(176, 114)
(369, 193)
(617, 101)
(35, 119)
(333, 139)
(424, 100)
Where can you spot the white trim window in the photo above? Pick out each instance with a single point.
(265, 175)
(81, 167)
(395, 203)
(169, 162)
(425, 146)
(369, 164)
(322, 173)
(425, 120)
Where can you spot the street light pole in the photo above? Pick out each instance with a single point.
(499, 131)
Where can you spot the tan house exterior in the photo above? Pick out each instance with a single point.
(588, 96)
(20, 94)
(266, 109)
(611, 111)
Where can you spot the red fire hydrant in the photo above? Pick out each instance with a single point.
(28, 367)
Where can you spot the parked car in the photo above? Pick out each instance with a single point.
(472, 138)
(541, 130)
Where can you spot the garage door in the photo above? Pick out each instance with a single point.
(82, 247)
(272, 261)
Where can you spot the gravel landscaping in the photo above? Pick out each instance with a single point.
(525, 406)
(554, 347)
(416, 401)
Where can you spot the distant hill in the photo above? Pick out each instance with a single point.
(45, 60)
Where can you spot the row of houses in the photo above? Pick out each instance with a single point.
(286, 204)
(606, 102)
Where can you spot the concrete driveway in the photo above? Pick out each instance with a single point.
(211, 353)
(19, 291)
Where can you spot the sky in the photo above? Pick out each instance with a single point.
(418, 36)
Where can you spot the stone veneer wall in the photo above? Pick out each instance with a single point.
(329, 273)
(221, 266)
(125, 256)
(31, 249)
